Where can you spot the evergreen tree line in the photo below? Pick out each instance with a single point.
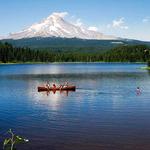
(137, 53)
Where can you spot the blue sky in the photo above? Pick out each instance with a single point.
(123, 18)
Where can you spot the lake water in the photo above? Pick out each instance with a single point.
(104, 113)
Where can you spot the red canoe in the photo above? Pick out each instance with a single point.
(68, 88)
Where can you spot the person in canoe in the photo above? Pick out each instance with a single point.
(48, 85)
(54, 86)
(61, 86)
(66, 84)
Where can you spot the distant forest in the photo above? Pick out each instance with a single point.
(124, 53)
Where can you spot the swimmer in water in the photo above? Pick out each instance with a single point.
(138, 91)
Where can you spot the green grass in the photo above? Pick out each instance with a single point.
(145, 68)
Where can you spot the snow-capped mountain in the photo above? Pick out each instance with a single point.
(2, 37)
(56, 26)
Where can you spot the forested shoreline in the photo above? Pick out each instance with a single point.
(132, 53)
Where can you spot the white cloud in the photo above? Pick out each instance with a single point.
(92, 28)
(109, 26)
(146, 19)
(78, 22)
(60, 14)
(118, 24)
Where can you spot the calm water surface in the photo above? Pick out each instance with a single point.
(103, 114)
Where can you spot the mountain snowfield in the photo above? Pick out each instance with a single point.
(56, 26)
(2, 37)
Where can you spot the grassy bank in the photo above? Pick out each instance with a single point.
(145, 68)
